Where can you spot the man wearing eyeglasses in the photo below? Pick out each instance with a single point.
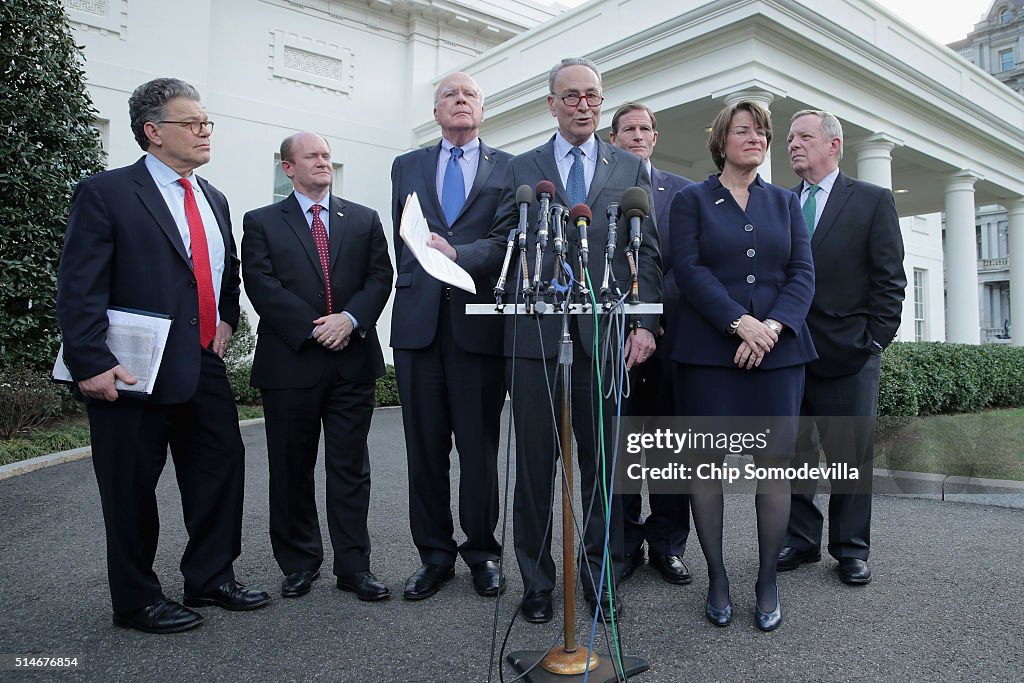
(155, 237)
(450, 369)
(584, 170)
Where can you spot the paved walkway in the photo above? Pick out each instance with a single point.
(946, 602)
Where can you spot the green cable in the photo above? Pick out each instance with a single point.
(604, 469)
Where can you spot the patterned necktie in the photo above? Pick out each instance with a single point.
(575, 186)
(324, 250)
(811, 208)
(453, 191)
(200, 266)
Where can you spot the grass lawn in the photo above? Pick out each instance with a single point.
(989, 445)
(70, 433)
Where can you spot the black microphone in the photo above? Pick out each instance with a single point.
(635, 205)
(545, 189)
(581, 216)
(613, 213)
(524, 197)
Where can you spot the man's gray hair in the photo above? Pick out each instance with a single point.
(830, 126)
(571, 61)
(437, 90)
(149, 103)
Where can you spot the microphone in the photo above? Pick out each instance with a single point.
(609, 254)
(581, 216)
(524, 197)
(558, 213)
(635, 205)
(545, 189)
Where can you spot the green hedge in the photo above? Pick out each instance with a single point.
(932, 378)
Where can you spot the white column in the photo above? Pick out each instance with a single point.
(874, 159)
(961, 260)
(765, 99)
(1015, 237)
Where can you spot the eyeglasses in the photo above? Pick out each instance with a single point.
(593, 99)
(744, 131)
(195, 126)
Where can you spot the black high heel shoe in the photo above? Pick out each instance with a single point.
(769, 621)
(719, 616)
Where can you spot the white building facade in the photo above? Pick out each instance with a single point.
(942, 133)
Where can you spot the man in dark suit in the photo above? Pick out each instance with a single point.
(155, 237)
(317, 271)
(858, 300)
(450, 370)
(635, 129)
(583, 170)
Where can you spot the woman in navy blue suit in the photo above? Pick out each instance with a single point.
(742, 260)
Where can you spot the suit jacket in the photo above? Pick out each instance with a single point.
(284, 281)
(122, 248)
(859, 278)
(616, 171)
(664, 186)
(729, 261)
(417, 294)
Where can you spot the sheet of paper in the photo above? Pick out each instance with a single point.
(137, 340)
(416, 234)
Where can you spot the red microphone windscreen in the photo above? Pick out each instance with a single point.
(546, 187)
(581, 210)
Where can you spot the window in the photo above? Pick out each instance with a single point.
(920, 304)
(1005, 15)
(283, 185)
(977, 237)
(1006, 62)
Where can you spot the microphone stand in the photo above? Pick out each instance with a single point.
(499, 287)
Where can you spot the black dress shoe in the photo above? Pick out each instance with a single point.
(854, 571)
(163, 616)
(365, 585)
(719, 616)
(791, 558)
(769, 621)
(672, 568)
(634, 561)
(298, 583)
(605, 614)
(487, 580)
(536, 607)
(230, 595)
(427, 580)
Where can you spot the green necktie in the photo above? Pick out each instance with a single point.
(811, 208)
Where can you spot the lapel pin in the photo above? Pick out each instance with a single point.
(719, 201)
(605, 160)
(341, 214)
(661, 189)
(487, 157)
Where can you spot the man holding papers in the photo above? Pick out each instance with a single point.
(449, 365)
(154, 237)
(317, 271)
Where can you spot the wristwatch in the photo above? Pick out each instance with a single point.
(773, 326)
(733, 326)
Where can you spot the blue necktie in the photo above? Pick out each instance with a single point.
(453, 191)
(575, 187)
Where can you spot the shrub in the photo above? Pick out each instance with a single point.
(387, 389)
(28, 399)
(238, 360)
(47, 144)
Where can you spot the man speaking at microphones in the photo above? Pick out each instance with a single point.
(583, 170)
(449, 365)
(666, 529)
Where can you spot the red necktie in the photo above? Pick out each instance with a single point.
(200, 267)
(323, 249)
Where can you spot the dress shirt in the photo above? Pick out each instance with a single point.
(305, 203)
(166, 179)
(470, 162)
(821, 196)
(564, 159)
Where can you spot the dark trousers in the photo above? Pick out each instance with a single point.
(129, 449)
(668, 526)
(444, 391)
(843, 440)
(293, 421)
(536, 451)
